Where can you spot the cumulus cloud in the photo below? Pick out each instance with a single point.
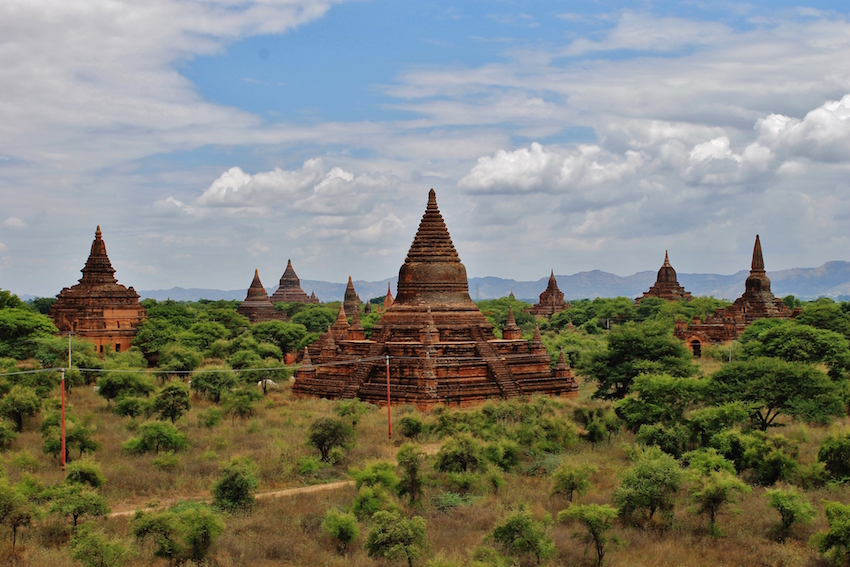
(536, 169)
(14, 222)
(822, 135)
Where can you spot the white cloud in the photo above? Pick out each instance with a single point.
(14, 222)
(822, 135)
(3, 247)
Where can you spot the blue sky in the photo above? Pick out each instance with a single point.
(209, 139)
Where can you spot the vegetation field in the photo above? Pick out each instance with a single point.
(661, 460)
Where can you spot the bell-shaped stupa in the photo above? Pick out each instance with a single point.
(666, 284)
(257, 306)
(440, 346)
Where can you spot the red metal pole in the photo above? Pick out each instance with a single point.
(63, 420)
(389, 414)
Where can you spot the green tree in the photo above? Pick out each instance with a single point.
(825, 314)
(460, 454)
(597, 520)
(835, 542)
(340, 526)
(78, 436)
(375, 473)
(568, 480)
(658, 398)
(395, 537)
(199, 527)
(9, 300)
(19, 329)
(163, 529)
(353, 409)
(326, 433)
(153, 335)
(91, 547)
(240, 403)
(15, 510)
(633, 350)
(178, 359)
(834, 453)
(153, 436)
(18, 405)
(123, 382)
(775, 387)
(520, 534)
(172, 401)
(792, 506)
(213, 382)
(650, 484)
(7, 435)
(281, 333)
(410, 459)
(202, 335)
(77, 501)
(316, 319)
(711, 491)
(794, 342)
(85, 471)
(234, 490)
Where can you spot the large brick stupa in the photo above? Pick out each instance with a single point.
(257, 306)
(441, 349)
(98, 308)
(289, 288)
(666, 284)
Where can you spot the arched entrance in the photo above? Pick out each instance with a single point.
(696, 348)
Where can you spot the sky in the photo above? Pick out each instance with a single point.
(208, 138)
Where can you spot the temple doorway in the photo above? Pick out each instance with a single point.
(696, 347)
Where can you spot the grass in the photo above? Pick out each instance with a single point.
(286, 531)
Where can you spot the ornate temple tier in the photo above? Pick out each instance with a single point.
(551, 300)
(289, 289)
(666, 284)
(441, 348)
(98, 308)
(257, 306)
(727, 324)
(351, 301)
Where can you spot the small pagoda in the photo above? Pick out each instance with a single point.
(98, 308)
(727, 324)
(666, 285)
(551, 300)
(438, 345)
(388, 299)
(257, 306)
(289, 289)
(351, 300)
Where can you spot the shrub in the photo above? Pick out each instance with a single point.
(834, 453)
(376, 473)
(91, 547)
(569, 479)
(213, 382)
(77, 501)
(710, 492)
(18, 405)
(172, 401)
(395, 537)
(326, 433)
(209, 418)
(371, 500)
(7, 435)
(342, 527)
(167, 462)
(596, 519)
(234, 490)
(85, 472)
(153, 436)
(131, 406)
(835, 542)
(520, 534)
(461, 453)
(650, 484)
(410, 459)
(792, 506)
(445, 501)
(411, 427)
(504, 454)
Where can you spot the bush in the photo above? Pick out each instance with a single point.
(411, 427)
(834, 453)
(520, 534)
(234, 490)
(395, 537)
(371, 500)
(569, 479)
(835, 543)
(650, 484)
(326, 433)
(153, 436)
(792, 506)
(461, 453)
(91, 547)
(596, 519)
(85, 472)
(342, 527)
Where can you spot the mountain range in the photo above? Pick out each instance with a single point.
(830, 280)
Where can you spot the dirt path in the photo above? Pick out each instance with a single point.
(129, 511)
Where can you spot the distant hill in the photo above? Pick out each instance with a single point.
(830, 280)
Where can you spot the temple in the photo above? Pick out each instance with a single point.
(388, 299)
(98, 308)
(351, 301)
(257, 306)
(551, 300)
(727, 324)
(289, 290)
(666, 285)
(433, 341)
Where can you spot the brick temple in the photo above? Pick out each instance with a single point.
(441, 349)
(289, 289)
(727, 324)
(98, 308)
(666, 285)
(351, 301)
(257, 306)
(551, 300)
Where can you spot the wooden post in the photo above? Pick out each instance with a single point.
(389, 413)
(63, 419)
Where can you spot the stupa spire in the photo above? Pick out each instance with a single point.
(432, 242)
(666, 261)
(758, 259)
(98, 268)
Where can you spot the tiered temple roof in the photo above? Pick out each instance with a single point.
(98, 308)
(351, 301)
(289, 290)
(727, 324)
(666, 285)
(257, 306)
(551, 300)
(440, 346)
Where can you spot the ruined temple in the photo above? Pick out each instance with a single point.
(289, 289)
(439, 346)
(666, 285)
(351, 300)
(727, 324)
(98, 308)
(257, 306)
(551, 300)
